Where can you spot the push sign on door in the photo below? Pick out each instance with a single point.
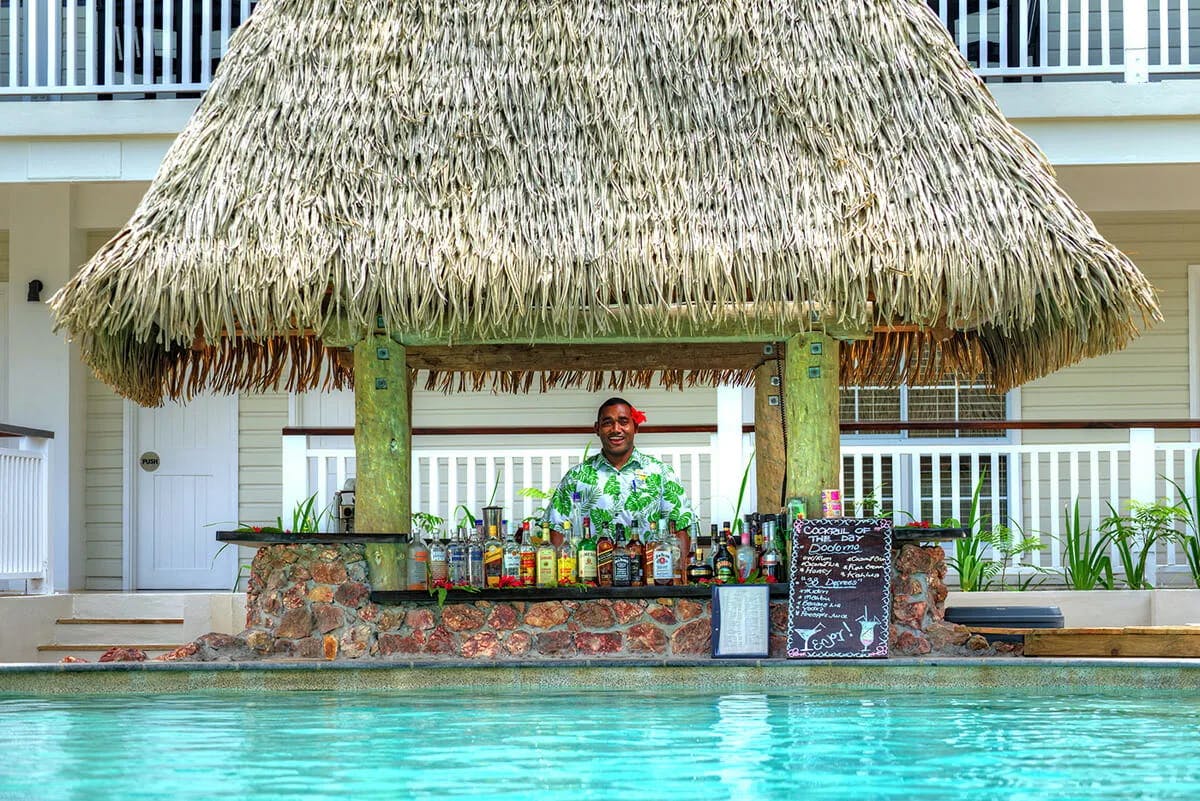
(149, 461)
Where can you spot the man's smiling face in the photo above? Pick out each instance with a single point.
(616, 430)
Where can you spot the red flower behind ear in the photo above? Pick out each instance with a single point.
(637, 416)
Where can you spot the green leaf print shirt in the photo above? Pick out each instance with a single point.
(643, 488)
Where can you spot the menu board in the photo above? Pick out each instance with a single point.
(741, 620)
(839, 599)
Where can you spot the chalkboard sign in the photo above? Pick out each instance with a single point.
(839, 601)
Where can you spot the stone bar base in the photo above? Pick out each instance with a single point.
(919, 610)
(313, 601)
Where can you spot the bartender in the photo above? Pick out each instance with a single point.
(621, 483)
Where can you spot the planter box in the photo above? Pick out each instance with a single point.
(1099, 608)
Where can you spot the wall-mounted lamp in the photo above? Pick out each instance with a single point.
(35, 291)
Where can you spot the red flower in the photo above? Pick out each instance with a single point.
(256, 529)
(769, 579)
(637, 416)
(509, 581)
(443, 584)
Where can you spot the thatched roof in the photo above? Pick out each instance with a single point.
(604, 171)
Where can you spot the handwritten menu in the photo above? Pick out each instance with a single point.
(839, 600)
(741, 621)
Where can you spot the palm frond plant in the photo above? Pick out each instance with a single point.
(971, 561)
(1086, 563)
(737, 510)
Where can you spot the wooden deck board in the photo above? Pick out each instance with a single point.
(1178, 642)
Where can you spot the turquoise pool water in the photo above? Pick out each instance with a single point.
(659, 744)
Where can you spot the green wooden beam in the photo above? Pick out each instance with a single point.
(812, 416)
(383, 452)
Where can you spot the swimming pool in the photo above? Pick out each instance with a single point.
(649, 743)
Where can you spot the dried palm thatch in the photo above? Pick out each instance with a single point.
(597, 170)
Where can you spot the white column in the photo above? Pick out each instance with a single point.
(1136, 22)
(46, 380)
(728, 460)
(1142, 474)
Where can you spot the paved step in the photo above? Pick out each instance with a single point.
(128, 605)
(118, 621)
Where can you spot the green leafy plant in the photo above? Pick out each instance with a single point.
(1009, 544)
(466, 517)
(427, 524)
(975, 569)
(1086, 563)
(1187, 512)
(1135, 536)
(737, 510)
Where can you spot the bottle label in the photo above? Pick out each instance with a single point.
(663, 567)
(546, 573)
(528, 568)
(622, 571)
(587, 566)
(566, 570)
(493, 564)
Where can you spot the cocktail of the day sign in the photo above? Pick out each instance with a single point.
(839, 600)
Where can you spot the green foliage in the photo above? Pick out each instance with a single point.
(1136, 535)
(737, 510)
(974, 568)
(1086, 563)
(1187, 512)
(977, 569)
(426, 524)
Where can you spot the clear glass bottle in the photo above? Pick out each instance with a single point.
(511, 564)
(587, 556)
(456, 558)
(622, 571)
(547, 560)
(664, 562)
(475, 560)
(770, 566)
(747, 557)
(567, 556)
(418, 564)
(439, 564)
(528, 553)
(604, 559)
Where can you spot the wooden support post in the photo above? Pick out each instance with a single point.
(769, 458)
(383, 452)
(810, 397)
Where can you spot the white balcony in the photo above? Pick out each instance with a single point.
(105, 48)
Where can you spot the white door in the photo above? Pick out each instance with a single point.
(185, 490)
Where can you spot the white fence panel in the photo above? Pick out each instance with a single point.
(24, 504)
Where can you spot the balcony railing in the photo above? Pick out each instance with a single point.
(105, 48)
(1028, 488)
(24, 506)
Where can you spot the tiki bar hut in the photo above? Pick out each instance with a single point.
(520, 196)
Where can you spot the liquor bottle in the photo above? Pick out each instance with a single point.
(698, 570)
(493, 557)
(528, 558)
(547, 560)
(604, 559)
(754, 523)
(637, 557)
(456, 557)
(653, 536)
(475, 560)
(418, 564)
(622, 564)
(723, 565)
(681, 549)
(783, 542)
(664, 562)
(567, 559)
(511, 563)
(747, 557)
(587, 555)
(439, 566)
(576, 513)
(769, 566)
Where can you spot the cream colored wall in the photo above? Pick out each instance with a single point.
(103, 480)
(4, 256)
(1149, 379)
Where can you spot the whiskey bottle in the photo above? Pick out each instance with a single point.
(698, 570)
(547, 560)
(622, 564)
(604, 559)
(587, 555)
(511, 566)
(664, 562)
(637, 557)
(493, 557)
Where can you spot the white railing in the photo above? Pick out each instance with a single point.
(1029, 488)
(114, 47)
(66, 47)
(445, 478)
(24, 508)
